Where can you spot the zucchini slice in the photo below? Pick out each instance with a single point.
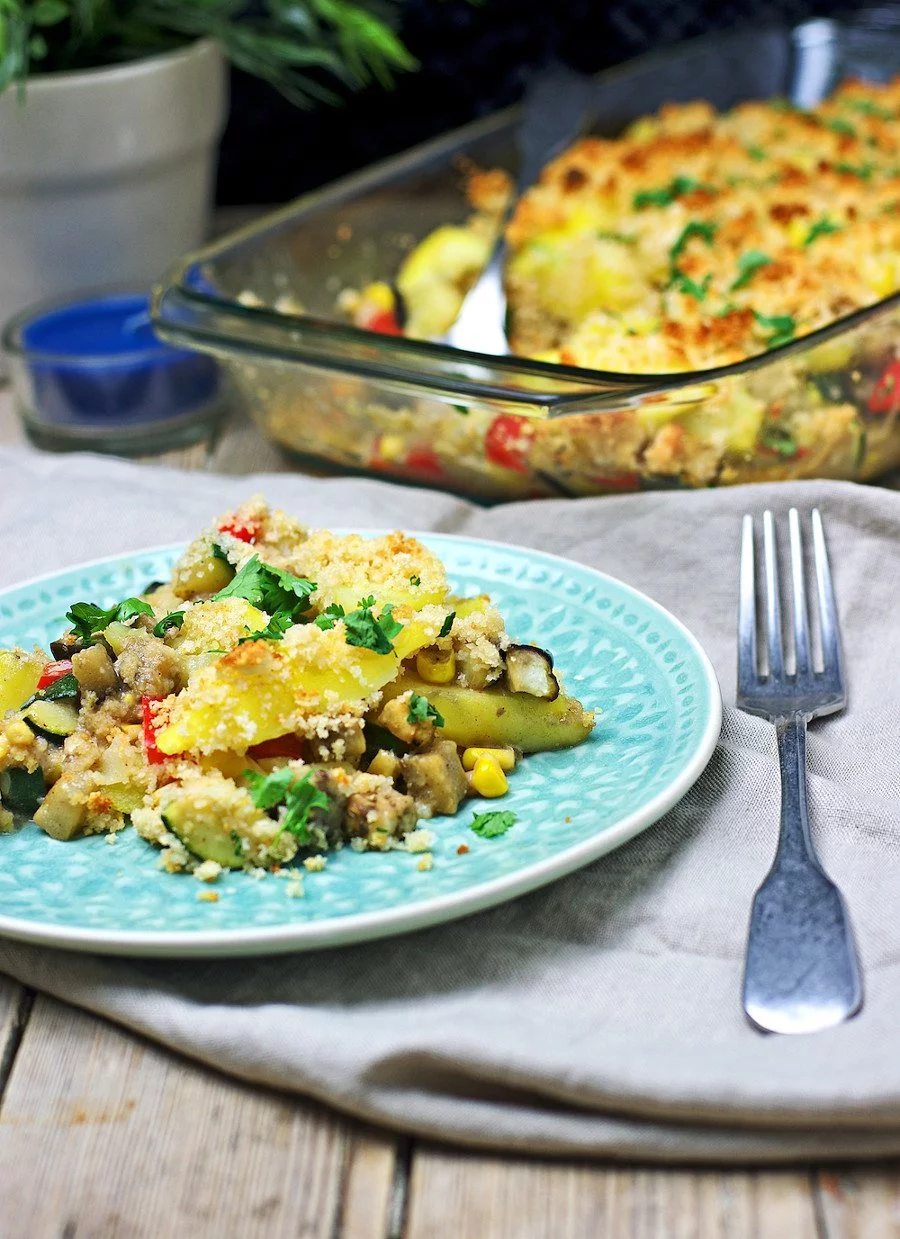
(53, 719)
(22, 791)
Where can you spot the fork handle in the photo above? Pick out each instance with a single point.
(795, 845)
(802, 972)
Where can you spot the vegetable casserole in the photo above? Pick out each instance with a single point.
(288, 691)
(694, 241)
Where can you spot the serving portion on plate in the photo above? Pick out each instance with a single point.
(322, 762)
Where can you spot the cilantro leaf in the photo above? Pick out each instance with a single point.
(862, 171)
(867, 108)
(270, 589)
(298, 795)
(705, 229)
(277, 626)
(821, 228)
(490, 825)
(87, 619)
(842, 127)
(329, 617)
(677, 187)
(756, 152)
(748, 265)
(447, 624)
(778, 439)
(684, 284)
(421, 710)
(173, 620)
(782, 327)
(269, 790)
(366, 632)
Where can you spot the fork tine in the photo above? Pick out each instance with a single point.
(828, 622)
(801, 622)
(773, 601)
(747, 612)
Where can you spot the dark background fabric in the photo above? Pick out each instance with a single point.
(475, 58)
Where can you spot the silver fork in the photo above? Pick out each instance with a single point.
(802, 972)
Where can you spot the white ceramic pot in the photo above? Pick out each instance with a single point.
(106, 175)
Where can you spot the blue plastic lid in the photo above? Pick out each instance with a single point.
(112, 327)
(98, 362)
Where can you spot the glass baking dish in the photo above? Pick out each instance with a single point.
(502, 428)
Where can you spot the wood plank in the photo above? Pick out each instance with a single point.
(15, 1004)
(368, 1196)
(861, 1203)
(103, 1135)
(525, 1199)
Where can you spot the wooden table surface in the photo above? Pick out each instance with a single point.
(106, 1136)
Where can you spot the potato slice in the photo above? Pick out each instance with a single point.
(19, 675)
(495, 717)
(265, 689)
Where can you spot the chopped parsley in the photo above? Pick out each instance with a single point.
(756, 152)
(87, 619)
(447, 624)
(298, 796)
(748, 265)
(868, 108)
(782, 327)
(421, 710)
(778, 439)
(863, 171)
(173, 620)
(329, 617)
(490, 825)
(415, 580)
(362, 628)
(277, 626)
(270, 589)
(704, 229)
(684, 284)
(820, 228)
(367, 632)
(842, 127)
(676, 188)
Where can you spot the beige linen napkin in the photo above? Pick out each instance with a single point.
(601, 1014)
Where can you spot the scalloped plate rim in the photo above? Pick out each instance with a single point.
(370, 926)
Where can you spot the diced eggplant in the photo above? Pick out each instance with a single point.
(22, 790)
(93, 669)
(66, 646)
(529, 669)
(53, 719)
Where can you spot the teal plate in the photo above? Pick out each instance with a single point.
(659, 713)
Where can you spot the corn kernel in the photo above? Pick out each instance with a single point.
(18, 732)
(384, 763)
(505, 758)
(391, 447)
(488, 779)
(436, 666)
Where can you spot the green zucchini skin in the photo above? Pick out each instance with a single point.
(53, 719)
(22, 791)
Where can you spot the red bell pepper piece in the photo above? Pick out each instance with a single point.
(424, 460)
(885, 397)
(384, 322)
(244, 530)
(282, 746)
(53, 672)
(508, 441)
(148, 720)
